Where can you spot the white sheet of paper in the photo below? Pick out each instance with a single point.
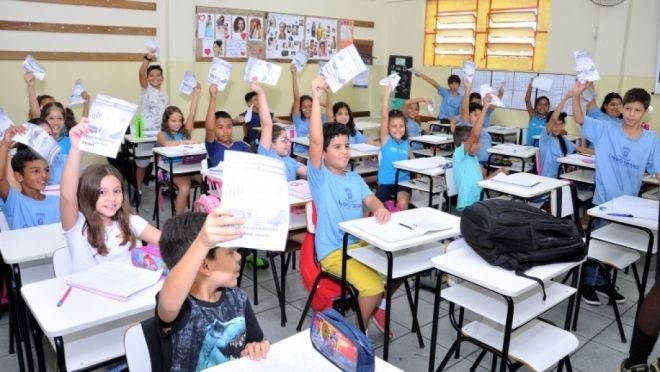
(76, 95)
(254, 188)
(468, 70)
(183, 150)
(5, 123)
(300, 60)
(248, 114)
(517, 179)
(364, 147)
(38, 140)
(114, 280)
(219, 73)
(589, 94)
(585, 68)
(31, 64)
(108, 119)
(152, 46)
(300, 189)
(400, 227)
(542, 83)
(343, 67)
(361, 80)
(640, 208)
(391, 80)
(265, 72)
(426, 163)
(189, 83)
(495, 100)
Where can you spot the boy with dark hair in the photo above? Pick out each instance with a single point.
(207, 320)
(451, 98)
(218, 131)
(27, 207)
(250, 135)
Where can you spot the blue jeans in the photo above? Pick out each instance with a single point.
(595, 273)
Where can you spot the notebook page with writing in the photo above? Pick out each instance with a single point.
(400, 227)
(114, 280)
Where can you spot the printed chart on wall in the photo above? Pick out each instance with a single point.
(321, 38)
(228, 33)
(285, 35)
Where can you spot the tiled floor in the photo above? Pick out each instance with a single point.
(600, 347)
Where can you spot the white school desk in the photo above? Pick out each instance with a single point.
(500, 132)
(28, 251)
(569, 137)
(442, 127)
(526, 154)
(435, 141)
(585, 174)
(419, 184)
(167, 153)
(493, 293)
(635, 233)
(355, 154)
(88, 329)
(291, 354)
(392, 250)
(134, 151)
(650, 180)
(363, 125)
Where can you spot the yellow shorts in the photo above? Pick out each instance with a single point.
(365, 279)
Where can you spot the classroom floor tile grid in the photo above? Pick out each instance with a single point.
(600, 347)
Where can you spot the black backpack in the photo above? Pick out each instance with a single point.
(517, 236)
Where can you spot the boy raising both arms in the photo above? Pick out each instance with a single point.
(207, 320)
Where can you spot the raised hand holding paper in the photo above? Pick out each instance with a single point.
(189, 83)
(468, 70)
(265, 72)
(219, 73)
(542, 83)
(152, 46)
(245, 179)
(300, 60)
(343, 67)
(585, 68)
(38, 140)
(31, 64)
(76, 95)
(485, 89)
(108, 119)
(5, 123)
(391, 80)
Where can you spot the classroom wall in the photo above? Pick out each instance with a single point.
(623, 40)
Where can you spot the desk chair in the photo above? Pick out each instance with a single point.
(62, 262)
(331, 284)
(451, 191)
(137, 351)
(4, 224)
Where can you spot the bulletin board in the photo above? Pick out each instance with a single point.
(236, 34)
(515, 86)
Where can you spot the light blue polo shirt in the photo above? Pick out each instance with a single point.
(338, 198)
(302, 130)
(467, 174)
(414, 130)
(535, 128)
(451, 104)
(23, 211)
(357, 138)
(390, 152)
(596, 113)
(550, 151)
(290, 164)
(620, 160)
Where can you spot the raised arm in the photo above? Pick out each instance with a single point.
(330, 115)
(192, 111)
(557, 112)
(266, 139)
(35, 112)
(219, 226)
(384, 115)
(295, 109)
(528, 99)
(465, 103)
(476, 127)
(427, 79)
(86, 104)
(592, 103)
(71, 175)
(578, 115)
(5, 145)
(209, 125)
(142, 72)
(316, 124)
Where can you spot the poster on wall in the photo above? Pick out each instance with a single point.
(321, 38)
(285, 34)
(205, 26)
(345, 33)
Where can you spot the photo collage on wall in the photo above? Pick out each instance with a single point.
(285, 35)
(228, 35)
(321, 38)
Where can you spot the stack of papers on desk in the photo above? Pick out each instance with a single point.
(512, 147)
(300, 189)
(364, 147)
(114, 280)
(517, 179)
(398, 229)
(425, 163)
(583, 158)
(181, 150)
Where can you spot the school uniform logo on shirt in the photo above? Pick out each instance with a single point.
(349, 202)
(41, 218)
(623, 158)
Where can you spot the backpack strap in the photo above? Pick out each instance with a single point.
(539, 281)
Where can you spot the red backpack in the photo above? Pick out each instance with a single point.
(310, 269)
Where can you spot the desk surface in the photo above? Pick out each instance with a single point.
(623, 204)
(465, 263)
(434, 139)
(355, 154)
(505, 131)
(544, 186)
(131, 138)
(181, 150)
(651, 180)
(82, 309)
(418, 166)
(578, 162)
(32, 243)
(517, 151)
(291, 354)
(425, 213)
(365, 125)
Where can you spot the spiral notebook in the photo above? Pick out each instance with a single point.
(114, 280)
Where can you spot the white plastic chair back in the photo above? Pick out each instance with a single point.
(62, 262)
(137, 352)
(311, 227)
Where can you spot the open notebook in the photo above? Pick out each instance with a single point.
(400, 227)
(114, 280)
(300, 189)
(517, 179)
